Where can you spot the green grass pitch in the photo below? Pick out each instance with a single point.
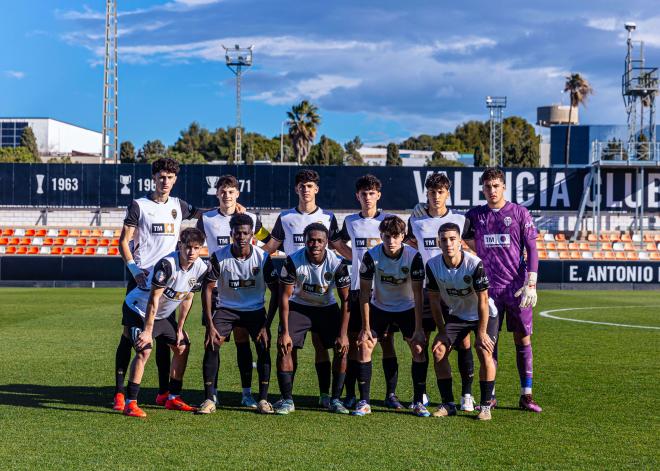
(598, 385)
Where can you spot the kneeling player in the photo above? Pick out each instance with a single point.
(457, 282)
(397, 274)
(242, 272)
(150, 316)
(308, 304)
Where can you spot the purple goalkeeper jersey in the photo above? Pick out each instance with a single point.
(500, 237)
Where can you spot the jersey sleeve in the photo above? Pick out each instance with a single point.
(162, 274)
(213, 273)
(288, 272)
(529, 234)
(260, 232)
(479, 278)
(132, 214)
(200, 225)
(342, 277)
(269, 271)
(410, 235)
(431, 282)
(417, 268)
(187, 210)
(468, 228)
(197, 287)
(333, 231)
(343, 234)
(278, 230)
(367, 267)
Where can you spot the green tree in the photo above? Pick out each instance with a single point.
(186, 158)
(65, 159)
(303, 124)
(152, 150)
(326, 152)
(17, 155)
(126, 152)
(437, 160)
(579, 90)
(480, 156)
(30, 142)
(393, 157)
(521, 144)
(352, 147)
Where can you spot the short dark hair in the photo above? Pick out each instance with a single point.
(241, 219)
(315, 226)
(367, 182)
(449, 226)
(392, 226)
(192, 235)
(307, 175)
(492, 173)
(227, 180)
(436, 181)
(165, 164)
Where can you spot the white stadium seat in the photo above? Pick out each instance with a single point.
(45, 250)
(108, 233)
(553, 255)
(644, 256)
(70, 241)
(53, 232)
(587, 255)
(548, 238)
(37, 241)
(618, 247)
(102, 251)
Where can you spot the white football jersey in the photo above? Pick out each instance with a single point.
(291, 223)
(363, 233)
(241, 283)
(314, 284)
(157, 227)
(425, 231)
(178, 283)
(458, 286)
(392, 277)
(215, 226)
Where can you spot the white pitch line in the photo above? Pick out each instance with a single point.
(549, 316)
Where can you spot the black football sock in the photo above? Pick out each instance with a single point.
(244, 360)
(466, 368)
(487, 388)
(210, 366)
(163, 365)
(351, 377)
(263, 371)
(175, 386)
(323, 370)
(418, 370)
(285, 380)
(122, 359)
(364, 380)
(391, 371)
(338, 378)
(446, 391)
(132, 391)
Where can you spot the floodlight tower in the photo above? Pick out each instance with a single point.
(237, 59)
(496, 105)
(109, 143)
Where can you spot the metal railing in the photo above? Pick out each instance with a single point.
(616, 151)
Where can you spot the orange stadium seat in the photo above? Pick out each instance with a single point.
(33, 250)
(650, 247)
(115, 243)
(564, 255)
(598, 256)
(113, 251)
(86, 232)
(104, 242)
(4, 241)
(117, 233)
(543, 254)
(204, 252)
(620, 256)
(81, 241)
(562, 246)
(592, 238)
(63, 233)
(632, 256)
(539, 236)
(30, 232)
(655, 256)
(67, 250)
(97, 233)
(10, 250)
(656, 238)
(573, 246)
(648, 238)
(560, 237)
(41, 233)
(74, 233)
(609, 255)
(551, 246)
(90, 251)
(79, 251)
(629, 246)
(22, 250)
(585, 246)
(14, 241)
(59, 241)
(56, 251)
(25, 241)
(626, 238)
(606, 246)
(540, 245)
(575, 255)
(615, 237)
(93, 242)
(8, 232)
(48, 241)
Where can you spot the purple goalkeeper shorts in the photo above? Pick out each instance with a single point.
(517, 319)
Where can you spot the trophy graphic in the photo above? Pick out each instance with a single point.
(212, 181)
(125, 180)
(40, 184)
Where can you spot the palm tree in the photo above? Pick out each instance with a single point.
(579, 89)
(303, 122)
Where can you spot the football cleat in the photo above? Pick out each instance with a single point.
(265, 407)
(467, 403)
(178, 404)
(420, 410)
(527, 403)
(337, 407)
(361, 409)
(324, 401)
(392, 402)
(132, 410)
(206, 407)
(248, 401)
(350, 402)
(161, 399)
(493, 404)
(484, 413)
(425, 401)
(284, 407)
(445, 410)
(119, 401)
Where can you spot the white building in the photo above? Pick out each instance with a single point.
(54, 138)
(409, 158)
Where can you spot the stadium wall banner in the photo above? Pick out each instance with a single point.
(599, 272)
(271, 186)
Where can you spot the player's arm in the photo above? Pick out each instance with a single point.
(480, 284)
(341, 245)
(343, 283)
(410, 236)
(434, 298)
(272, 281)
(528, 290)
(417, 281)
(212, 336)
(287, 283)
(334, 236)
(277, 236)
(127, 233)
(468, 235)
(367, 271)
(184, 310)
(145, 338)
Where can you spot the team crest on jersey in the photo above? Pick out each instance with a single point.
(327, 276)
(467, 279)
(160, 276)
(507, 221)
(174, 214)
(191, 282)
(298, 239)
(405, 270)
(255, 270)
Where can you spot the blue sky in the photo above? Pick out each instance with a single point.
(383, 70)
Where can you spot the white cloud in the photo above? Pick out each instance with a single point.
(313, 89)
(605, 24)
(195, 3)
(15, 74)
(464, 45)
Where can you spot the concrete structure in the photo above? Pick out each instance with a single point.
(54, 138)
(547, 116)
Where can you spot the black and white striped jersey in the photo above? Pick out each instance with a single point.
(215, 225)
(290, 225)
(425, 231)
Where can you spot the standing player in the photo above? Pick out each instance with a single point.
(242, 272)
(396, 273)
(500, 231)
(423, 235)
(288, 234)
(361, 229)
(150, 315)
(152, 226)
(215, 225)
(307, 303)
(457, 282)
